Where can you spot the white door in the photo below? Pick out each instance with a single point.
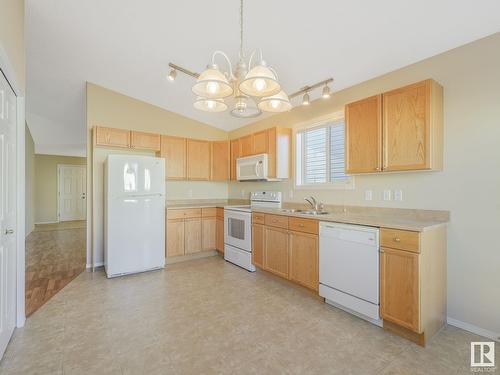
(7, 212)
(72, 192)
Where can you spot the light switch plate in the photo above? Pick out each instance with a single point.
(368, 195)
(387, 195)
(398, 195)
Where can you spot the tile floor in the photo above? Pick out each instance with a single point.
(210, 317)
(55, 255)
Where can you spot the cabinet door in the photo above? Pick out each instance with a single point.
(235, 154)
(111, 137)
(220, 161)
(220, 235)
(304, 259)
(406, 120)
(145, 141)
(208, 231)
(258, 245)
(192, 235)
(246, 145)
(399, 288)
(276, 251)
(260, 142)
(175, 237)
(363, 135)
(173, 149)
(198, 160)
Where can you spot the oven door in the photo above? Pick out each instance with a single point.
(238, 229)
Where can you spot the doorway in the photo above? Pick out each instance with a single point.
(72, 192)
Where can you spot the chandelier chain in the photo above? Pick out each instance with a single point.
(241, 29)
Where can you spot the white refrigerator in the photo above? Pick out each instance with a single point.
(134, 215)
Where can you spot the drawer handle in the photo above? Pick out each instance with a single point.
(396, 239)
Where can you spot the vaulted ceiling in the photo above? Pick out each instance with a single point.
(125, 45)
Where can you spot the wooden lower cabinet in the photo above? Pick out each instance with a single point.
(399, 288)
(258, 245)
(175, 238)
(219, 241)
(192, 237)
(276, 251)
(304, 259)
(208, 228)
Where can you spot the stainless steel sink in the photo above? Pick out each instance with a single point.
(305, 212)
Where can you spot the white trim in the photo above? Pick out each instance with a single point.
(20, 212)
(46, 222)
(90, 266)
(474, 329)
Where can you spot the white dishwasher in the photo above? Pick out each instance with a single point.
(349, 268)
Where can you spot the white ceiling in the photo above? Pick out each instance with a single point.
(125, 45)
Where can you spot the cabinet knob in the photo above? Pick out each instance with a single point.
(397, 239)
(301, 225)
(377, 169)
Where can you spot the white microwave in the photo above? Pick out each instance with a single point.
(253, 167)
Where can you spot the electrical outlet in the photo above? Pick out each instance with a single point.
(243, 193)
(387, 195)
(290, 194)
(190, 193)
(368, 195)
(398, 195)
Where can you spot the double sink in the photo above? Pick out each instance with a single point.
(305, 212)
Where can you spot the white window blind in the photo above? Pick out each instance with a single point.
(321, 155)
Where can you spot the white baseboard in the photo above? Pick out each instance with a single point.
(46, 222)
(98, 264)
(473, 329)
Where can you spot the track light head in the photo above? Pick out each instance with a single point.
(326, 92)
(171, 76)
(306, 100)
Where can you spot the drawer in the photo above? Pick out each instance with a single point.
(183, 213)
(400, 239)
(303, 225)
(220, 213)
(276, 221)
(209, 212)
(258, 218)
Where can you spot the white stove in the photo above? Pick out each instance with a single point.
(238, 227)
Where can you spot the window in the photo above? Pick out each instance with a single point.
(320, 156)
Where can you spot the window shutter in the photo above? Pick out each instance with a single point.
(315, 156)
(337, 152)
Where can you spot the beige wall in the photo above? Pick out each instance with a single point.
(29, 184)
(468, 187)
(109, 108)
(12, 37)
(46, 185)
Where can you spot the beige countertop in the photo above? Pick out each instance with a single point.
(397, 218)
(221, 203)
(394, 221)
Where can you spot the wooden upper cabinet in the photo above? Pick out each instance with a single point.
(363, 135)
(246, 145)
(235, 154)
(144, 141)
(220, 164)
(111, 137)
(173, 149)
(260, 142)
(412, 127)
(400, 288)
(198, 160)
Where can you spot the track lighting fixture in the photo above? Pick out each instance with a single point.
(306, 100)
(326, 92)
(171, 76)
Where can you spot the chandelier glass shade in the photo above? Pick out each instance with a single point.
(260, 81)
(275, 103)
(212, 84)
(210, 105)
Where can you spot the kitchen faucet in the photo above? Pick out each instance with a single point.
(315, 205)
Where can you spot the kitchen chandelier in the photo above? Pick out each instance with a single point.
(251, 89)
